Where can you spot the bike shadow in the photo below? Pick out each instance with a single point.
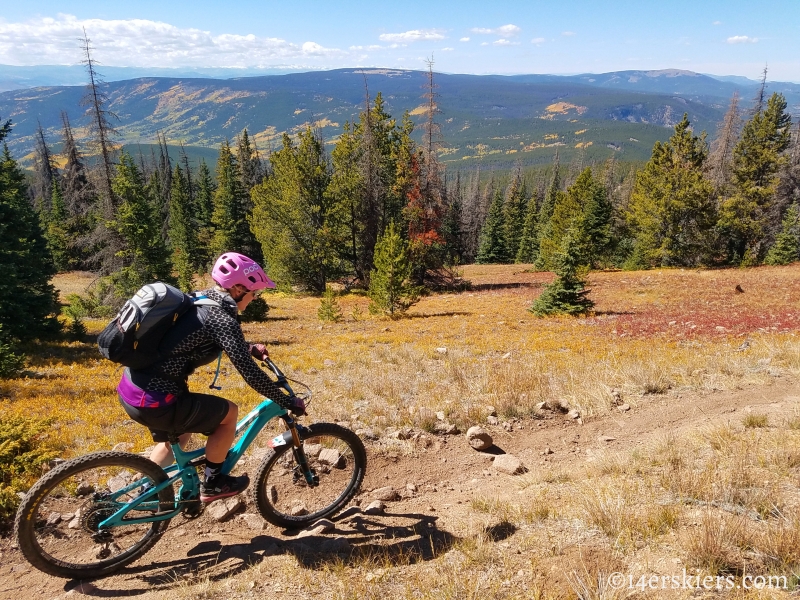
(406, 538)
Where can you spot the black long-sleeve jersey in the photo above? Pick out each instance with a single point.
(195, 340)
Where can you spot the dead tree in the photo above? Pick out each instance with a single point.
(722, 148)
(45, 173)
(101, 131)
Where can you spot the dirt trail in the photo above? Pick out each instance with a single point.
(447, 475)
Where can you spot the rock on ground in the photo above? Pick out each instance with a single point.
(375, 508)
(253, 521)
(509, 464)
(385, 494)
(318, 528)
(224, 509)
(479, 438)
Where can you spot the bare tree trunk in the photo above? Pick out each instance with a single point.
(100, 127)
(720, 160)
(761, 96)
(45, 172)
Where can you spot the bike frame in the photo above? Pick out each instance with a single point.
(185, 470)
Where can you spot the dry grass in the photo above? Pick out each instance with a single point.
(654, 333)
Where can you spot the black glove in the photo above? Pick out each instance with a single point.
(297, 405)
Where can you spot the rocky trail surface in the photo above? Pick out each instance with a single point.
(420, 488)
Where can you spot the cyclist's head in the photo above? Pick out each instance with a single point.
(233, 268)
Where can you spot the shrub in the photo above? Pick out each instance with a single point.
(256, 311)
(23, 453)
(329, 309)
(11, 363)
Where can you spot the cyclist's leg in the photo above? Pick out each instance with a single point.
(162, 453)
(220, 440)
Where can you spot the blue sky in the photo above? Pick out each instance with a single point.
(735, 37)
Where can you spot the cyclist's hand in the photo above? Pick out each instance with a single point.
(297, 406)
(259, 351)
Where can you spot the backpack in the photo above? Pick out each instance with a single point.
(133, 337)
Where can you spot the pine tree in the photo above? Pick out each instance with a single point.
(329, 309)
(514, 213)
(567, 294)
(144, 255)
(390, 291)
(29, 305)
(596, 220)
(757, 159)
(250, 167)
(79, 199)
(528, 242)
(56, 231)
(452, 226)
(203, 209)
(721, 157)
(543, 225)
(493, 247)
(297, 222)
(786, 248)
(568, 213)
(182, 233)
(671, 211)
(231, 231)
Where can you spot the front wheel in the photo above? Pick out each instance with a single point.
(57, 524)
(337, 457)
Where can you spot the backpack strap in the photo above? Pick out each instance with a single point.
(203, 300)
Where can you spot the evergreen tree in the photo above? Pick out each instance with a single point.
(56, 231)
(390, 291)
(757, 159)
(596, 219)
(543, 225)
(528, 243)
(45, 173)
(493, 247)
(786, 248)
(144, 255)
(231, 230)
(203, 208)
(567, 294)
(514, 213)
(671, 211)
(182, 233)
(568, 213)
(250, 167)
(452, 226)
(79, 199)
(297, 222)
(29, 305)
(329, 309)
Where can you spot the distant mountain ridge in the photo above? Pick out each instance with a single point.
(491, 118)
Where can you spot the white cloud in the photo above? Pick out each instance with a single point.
(568, 33)
(464, 39)
(144, 43)
(742, 39)
(371, 47)
(484, 43)
(505, 42)
(505, 31)
(414, 35)
(538, 41)
(717, 23)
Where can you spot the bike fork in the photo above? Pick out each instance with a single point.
(312, 479)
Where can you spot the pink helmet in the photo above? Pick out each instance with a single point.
(232, 268)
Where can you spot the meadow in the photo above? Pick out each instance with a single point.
(651, 332)
(717, 497)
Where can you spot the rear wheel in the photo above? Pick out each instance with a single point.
(57, 524)
(337, 457)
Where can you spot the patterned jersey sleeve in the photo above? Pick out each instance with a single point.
(227, 332)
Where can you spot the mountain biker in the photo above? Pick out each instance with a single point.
(158, 397)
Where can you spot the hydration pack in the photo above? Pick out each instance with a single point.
(133, 337)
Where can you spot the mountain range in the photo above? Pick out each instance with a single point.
(491, 118)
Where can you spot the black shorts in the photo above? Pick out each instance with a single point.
(190, 413)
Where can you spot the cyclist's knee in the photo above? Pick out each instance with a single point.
(233, 414)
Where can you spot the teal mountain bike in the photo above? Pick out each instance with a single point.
(92, 515)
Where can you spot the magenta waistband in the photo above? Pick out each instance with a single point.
(135, 396)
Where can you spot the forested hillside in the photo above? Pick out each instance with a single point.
(491, 119)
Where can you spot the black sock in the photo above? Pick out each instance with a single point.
(213, 470)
